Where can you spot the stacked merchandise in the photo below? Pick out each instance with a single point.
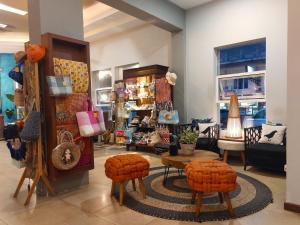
(76, 117)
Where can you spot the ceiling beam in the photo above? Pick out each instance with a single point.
(161, 13)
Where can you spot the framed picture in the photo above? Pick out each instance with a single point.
(103, 96)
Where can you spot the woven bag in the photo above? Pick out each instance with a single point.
(31, 128)
(19, 98)
(67, 154)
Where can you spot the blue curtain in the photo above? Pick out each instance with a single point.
(7, 62)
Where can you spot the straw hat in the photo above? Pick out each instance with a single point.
(20, 56)
(171, 78)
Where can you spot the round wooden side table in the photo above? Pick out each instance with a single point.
(180, 161)
(235, 145)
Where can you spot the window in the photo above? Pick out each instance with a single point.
(241, 71)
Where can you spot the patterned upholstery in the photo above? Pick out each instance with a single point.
(122, 168)
(210, 176)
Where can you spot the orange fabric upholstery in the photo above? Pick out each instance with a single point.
(210, 176)
(121, 168)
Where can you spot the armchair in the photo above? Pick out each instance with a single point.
(266, 156)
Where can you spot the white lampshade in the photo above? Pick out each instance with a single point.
(234, 127)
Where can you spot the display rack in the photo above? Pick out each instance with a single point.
(140, 80)
(69, 49)
(32, 91)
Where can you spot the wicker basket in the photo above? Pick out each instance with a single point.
(19, 98)
(66, 156)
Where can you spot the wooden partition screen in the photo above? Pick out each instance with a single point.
(65, 48)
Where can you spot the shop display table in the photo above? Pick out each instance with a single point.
(180, 161)
(235, 145)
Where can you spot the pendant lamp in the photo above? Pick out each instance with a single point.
(234, 127)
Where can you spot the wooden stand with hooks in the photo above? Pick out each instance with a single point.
(39, 167)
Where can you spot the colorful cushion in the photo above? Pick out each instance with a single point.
(272, 134)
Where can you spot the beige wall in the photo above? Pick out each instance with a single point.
(226, 22)
(293, 106)
(145, 45)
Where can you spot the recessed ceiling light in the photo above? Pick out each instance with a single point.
(2, 25)
(12, 9)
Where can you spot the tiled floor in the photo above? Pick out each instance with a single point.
(92, 205)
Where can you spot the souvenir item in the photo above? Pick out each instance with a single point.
(168, 115)
(11, 132)
(83, 143)
(154, 138)
(31, 128)
(164, 134)
(88, 122)
(16, 74)
(120, 133)
(19, 98)
(78, 72)
(163, 93)
(67, 154)
(17, 149)
(171, 78)
(20, 56)
(59, 85)
(67, 107)
(35, 52)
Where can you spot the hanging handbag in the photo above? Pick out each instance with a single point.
(168, 115)
(17, 149)
(88, 122)
(59, 85)
(11, 132)
(31, 128)
(16, 74)
(67, 154)
(19, 98)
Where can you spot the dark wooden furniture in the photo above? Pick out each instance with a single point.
(70, 49)
(151, 72)
(266, 156)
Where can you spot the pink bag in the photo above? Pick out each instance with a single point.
(88, 122)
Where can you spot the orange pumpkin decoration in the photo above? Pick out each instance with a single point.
(35, 52)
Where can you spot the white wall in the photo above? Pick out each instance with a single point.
(293, 106)
(226, 22)
(145, 45)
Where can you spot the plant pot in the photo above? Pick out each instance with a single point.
(187, 149)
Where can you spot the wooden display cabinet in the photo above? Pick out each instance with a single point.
(143, 96)
(70, 49)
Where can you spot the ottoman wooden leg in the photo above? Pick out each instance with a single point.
(142, 187)
(113, 186)
(228, 201)
(199, 203)
(221, 197)
(121, 197)
(133, 184)
(194, 194)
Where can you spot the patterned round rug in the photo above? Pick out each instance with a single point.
(172, 199)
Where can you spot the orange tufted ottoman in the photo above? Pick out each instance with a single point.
(123, 168)
(210, 176)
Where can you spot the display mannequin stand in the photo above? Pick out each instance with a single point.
(39, 167)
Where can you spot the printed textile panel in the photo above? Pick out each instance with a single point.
(67, 107)
(78, 72)
(83, 143)
(163, 93)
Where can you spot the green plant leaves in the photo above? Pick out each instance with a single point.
(188, 137)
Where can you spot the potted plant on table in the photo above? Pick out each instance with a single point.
(188, 140)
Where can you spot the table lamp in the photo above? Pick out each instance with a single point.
(234, 127)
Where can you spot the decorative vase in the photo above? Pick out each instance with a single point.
(187, 149)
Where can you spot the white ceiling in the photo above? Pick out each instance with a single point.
(100, 21)
(188, 4)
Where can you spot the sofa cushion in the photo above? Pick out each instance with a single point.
(268, 148)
